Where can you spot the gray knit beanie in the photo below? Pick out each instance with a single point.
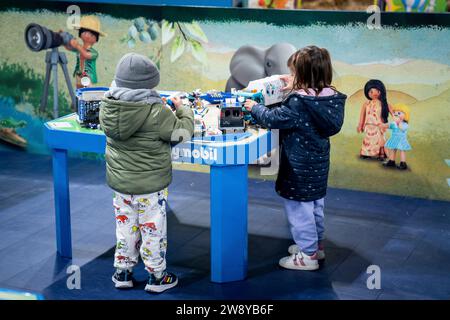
(136, 71)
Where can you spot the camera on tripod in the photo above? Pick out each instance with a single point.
(39, 38)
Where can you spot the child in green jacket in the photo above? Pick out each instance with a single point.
(139, 130)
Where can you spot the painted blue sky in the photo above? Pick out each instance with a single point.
(348, 43)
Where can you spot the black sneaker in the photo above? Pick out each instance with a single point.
(123, 279)
(390, 163)
(402, 166)
(167, 281)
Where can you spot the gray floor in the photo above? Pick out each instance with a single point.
(408, 238)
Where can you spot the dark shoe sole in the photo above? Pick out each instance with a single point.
(388, 164)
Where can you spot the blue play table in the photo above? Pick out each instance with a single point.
(228, 160)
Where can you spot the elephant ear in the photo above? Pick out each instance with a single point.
(276, 58)
(247, 64)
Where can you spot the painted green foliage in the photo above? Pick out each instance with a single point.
(12, 123)
(184, 37)
(146, 31)
(22, 84)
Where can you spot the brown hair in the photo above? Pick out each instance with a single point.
(312, 69)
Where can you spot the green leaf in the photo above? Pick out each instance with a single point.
(153, 31)
(198, 51)
(131, 43)
(196, 31)
(133, 32)
(178, 47)
(144, 36)
(168, 32)
(139, 23)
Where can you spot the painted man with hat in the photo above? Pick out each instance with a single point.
(89, 32)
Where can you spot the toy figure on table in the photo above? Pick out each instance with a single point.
(398, 140)
(89, 33)
(195, 98)
(374, 112)
(194, 101)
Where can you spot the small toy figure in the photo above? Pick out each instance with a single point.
(89, 33)
(398, 140)
(195, 98)
(373, 113)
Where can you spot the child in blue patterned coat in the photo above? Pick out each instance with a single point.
(312, 112)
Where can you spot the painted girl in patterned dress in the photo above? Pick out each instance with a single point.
(374, 112)
(398, 140)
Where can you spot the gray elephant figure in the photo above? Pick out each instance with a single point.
(251, 63)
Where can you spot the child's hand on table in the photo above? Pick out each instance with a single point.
(248, 105)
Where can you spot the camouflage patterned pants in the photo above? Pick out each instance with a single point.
(141, 228)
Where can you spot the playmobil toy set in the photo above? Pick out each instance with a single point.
(229, 115)
(88, 106)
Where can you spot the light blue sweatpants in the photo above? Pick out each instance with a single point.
(306, 221)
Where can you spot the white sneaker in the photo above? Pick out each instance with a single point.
(293, 249)
(300, 261)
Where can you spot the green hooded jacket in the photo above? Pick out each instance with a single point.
(138, 129)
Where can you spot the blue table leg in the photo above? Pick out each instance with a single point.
(228, 222)
(62, 203)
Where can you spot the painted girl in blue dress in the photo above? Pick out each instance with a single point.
(398, 140)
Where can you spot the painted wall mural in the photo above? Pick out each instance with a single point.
(412, 61)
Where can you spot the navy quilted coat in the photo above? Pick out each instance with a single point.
(306, 123)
